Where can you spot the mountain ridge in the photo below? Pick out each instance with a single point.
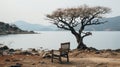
(113, 24)
(34, 27)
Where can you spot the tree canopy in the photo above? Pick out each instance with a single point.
(83, 16)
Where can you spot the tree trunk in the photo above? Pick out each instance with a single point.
(81, 45)
(79, 39)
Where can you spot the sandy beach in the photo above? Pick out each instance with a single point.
(77, 59)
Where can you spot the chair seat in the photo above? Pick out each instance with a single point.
(57, 53)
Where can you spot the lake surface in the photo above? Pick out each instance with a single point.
(52, 40)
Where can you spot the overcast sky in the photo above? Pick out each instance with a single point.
(34, 11)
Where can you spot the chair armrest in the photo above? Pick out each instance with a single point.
(55, 52)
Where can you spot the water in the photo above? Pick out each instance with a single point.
(52, 40)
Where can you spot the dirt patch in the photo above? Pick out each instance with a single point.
(77, 59)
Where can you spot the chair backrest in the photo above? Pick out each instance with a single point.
(65, 45)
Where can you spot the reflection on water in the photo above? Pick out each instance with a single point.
(52, 40)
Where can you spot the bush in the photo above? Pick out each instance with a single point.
(4, 48)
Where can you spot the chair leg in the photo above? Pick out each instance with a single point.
(67, 58)
(52, 57)
(60, 59)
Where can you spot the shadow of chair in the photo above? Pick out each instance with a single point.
(62, 52)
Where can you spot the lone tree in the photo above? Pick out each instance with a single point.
(81, 17)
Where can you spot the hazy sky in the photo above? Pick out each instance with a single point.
(34, 11)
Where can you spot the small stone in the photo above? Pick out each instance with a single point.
(18, 64)
(7, 60)
(15, 66)
(97, 52)
(33, 64)
(15, 60)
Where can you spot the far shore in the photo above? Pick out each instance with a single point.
(22, 32)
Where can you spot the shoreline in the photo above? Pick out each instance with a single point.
(42, 58)
(78, 58)
(22, 32)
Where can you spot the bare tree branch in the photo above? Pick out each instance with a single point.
(86, 34)
(82, 16)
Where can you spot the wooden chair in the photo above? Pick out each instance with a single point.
(62, 52)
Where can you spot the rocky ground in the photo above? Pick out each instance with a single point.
(78, 58)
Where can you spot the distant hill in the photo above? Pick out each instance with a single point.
(34, 27)
(113, 24)
(11, 29)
